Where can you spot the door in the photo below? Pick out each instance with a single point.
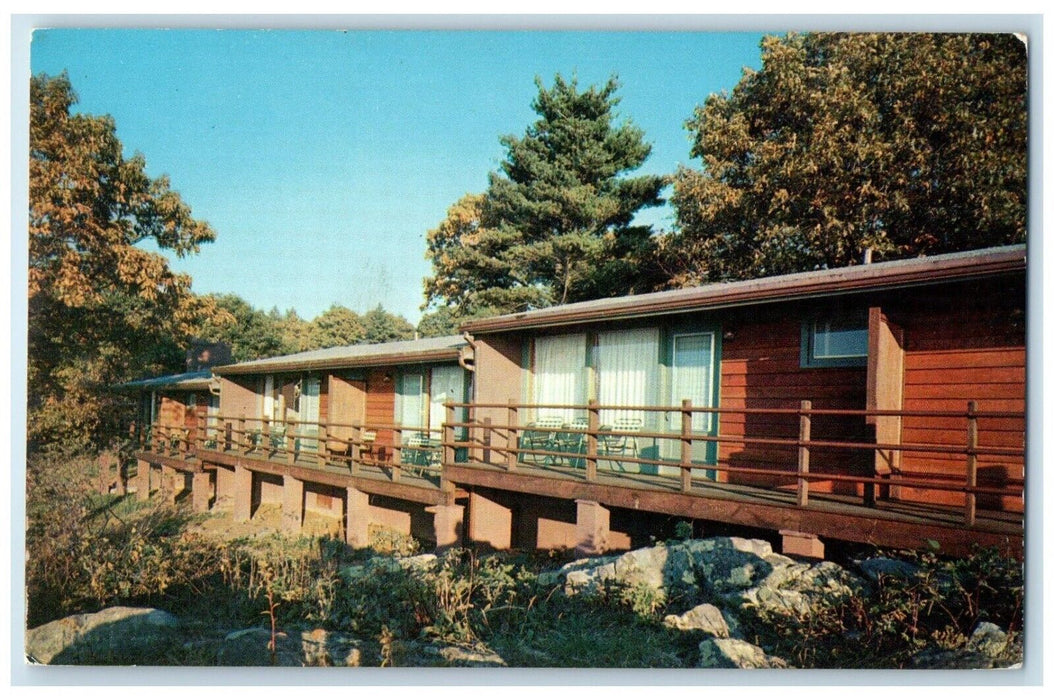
(693, 376)
(308, 409)
(410, 405)
(448, 384)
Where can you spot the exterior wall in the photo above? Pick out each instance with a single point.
(761, 368)
(499, 377)
(380, 402)
(967, 345)
(238, 397)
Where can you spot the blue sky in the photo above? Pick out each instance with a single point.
(322, 158)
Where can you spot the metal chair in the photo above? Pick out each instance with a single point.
(540, 435)
(624, 443)
(571, 442)
(419, 454)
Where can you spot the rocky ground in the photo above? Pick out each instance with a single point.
(732, 576)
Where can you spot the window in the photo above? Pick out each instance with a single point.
(835, 341)
(410, 406)
(627, 365)
(560, 373)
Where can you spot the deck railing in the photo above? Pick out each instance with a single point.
(515, 436)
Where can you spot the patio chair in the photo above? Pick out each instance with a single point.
(368, 439)
(419, 454)
(540, 435)
(575, 442)
(624, 443)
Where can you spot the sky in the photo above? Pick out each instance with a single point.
(322, 158)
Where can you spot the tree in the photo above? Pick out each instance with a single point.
(384, 327)
(249, 332)
(338, 325)
(101, 309)
(556, 224)
(907, 144)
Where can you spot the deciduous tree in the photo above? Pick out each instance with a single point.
(907, 144)
(102, 309)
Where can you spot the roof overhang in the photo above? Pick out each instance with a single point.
(283, 364)
(876, 277)
(190, 381)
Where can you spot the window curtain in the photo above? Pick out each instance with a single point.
(559, 374)
(448, 384)
(627, 364)
(410, 410)
(692, 377)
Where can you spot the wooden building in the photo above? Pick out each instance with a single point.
(880, 403)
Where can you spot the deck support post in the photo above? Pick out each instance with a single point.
(243, 494)
(292, 504)
(447, 521)
(224, 487)
(802, 544)
(142, 480)
(592, 528)
(168, 484)
(357, 514)
(201, 492)
(489, 522)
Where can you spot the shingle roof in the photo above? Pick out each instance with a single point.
(876, 276)
(187, 381)
(398, 352)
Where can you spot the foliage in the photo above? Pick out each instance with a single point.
(908, 144)
(338, 325)
(102, 309)
(556, 224)
(937, 607)
(251, 333)
(384, 327)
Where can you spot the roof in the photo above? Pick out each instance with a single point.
(347, 356)
(803, 285)
(188, 381)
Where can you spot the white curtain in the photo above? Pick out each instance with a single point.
(559, 373)
(627, 364)
(692, 377)
(448, 384)
(411, 401)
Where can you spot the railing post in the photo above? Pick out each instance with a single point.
(243, 434)
(971, 463)
(355, 449)
(591, 440)
(448, 434)
(290, 441)
(487, 430)
(322, 450)
(228, 437)
(804, 436)
(397, 453)
(512, 453)
(686, 445)
(267, 446)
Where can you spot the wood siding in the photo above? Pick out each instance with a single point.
(761, 368)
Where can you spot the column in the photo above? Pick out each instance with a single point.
(357, 509)
(292, 504)
(592, 528)
(448, 524)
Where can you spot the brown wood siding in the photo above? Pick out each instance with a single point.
(380, 402)
(761, 368)
(967, 345)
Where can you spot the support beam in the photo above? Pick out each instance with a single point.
(168, 485)
(357, 512)
(448, 522)
(802, 544)
(224, 487)
(142, 480)
(592, 528)
(292, 504)
(489, 522)
(243, 493)
(201, 492)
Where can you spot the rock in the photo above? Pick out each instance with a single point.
(474, 657)
(799, 588)
(112, 636)
(988, 639)
(883, 566)
(953, 659)
(704, 618)
(296, 647)
(735, 653)
(729, 564)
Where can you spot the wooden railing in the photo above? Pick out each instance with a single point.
(507, 436)
(500, 444)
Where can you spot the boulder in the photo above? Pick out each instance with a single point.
(705, 618)
(472, 657)
(988, 639)
(118, 635)
(295, 647)
(799, 588)
(735, 653)
(878, 567)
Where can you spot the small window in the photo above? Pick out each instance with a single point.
(834, 341)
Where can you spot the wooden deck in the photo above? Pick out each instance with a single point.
(887, 524)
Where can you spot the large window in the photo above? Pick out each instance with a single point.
(692, 375)
(448, 384)
(411, 400)
(834, 341)
(560, 373)
(627, 364)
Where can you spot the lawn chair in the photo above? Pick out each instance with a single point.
(540, 435)
(419, 454)
(624, 443)
(569, 442)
